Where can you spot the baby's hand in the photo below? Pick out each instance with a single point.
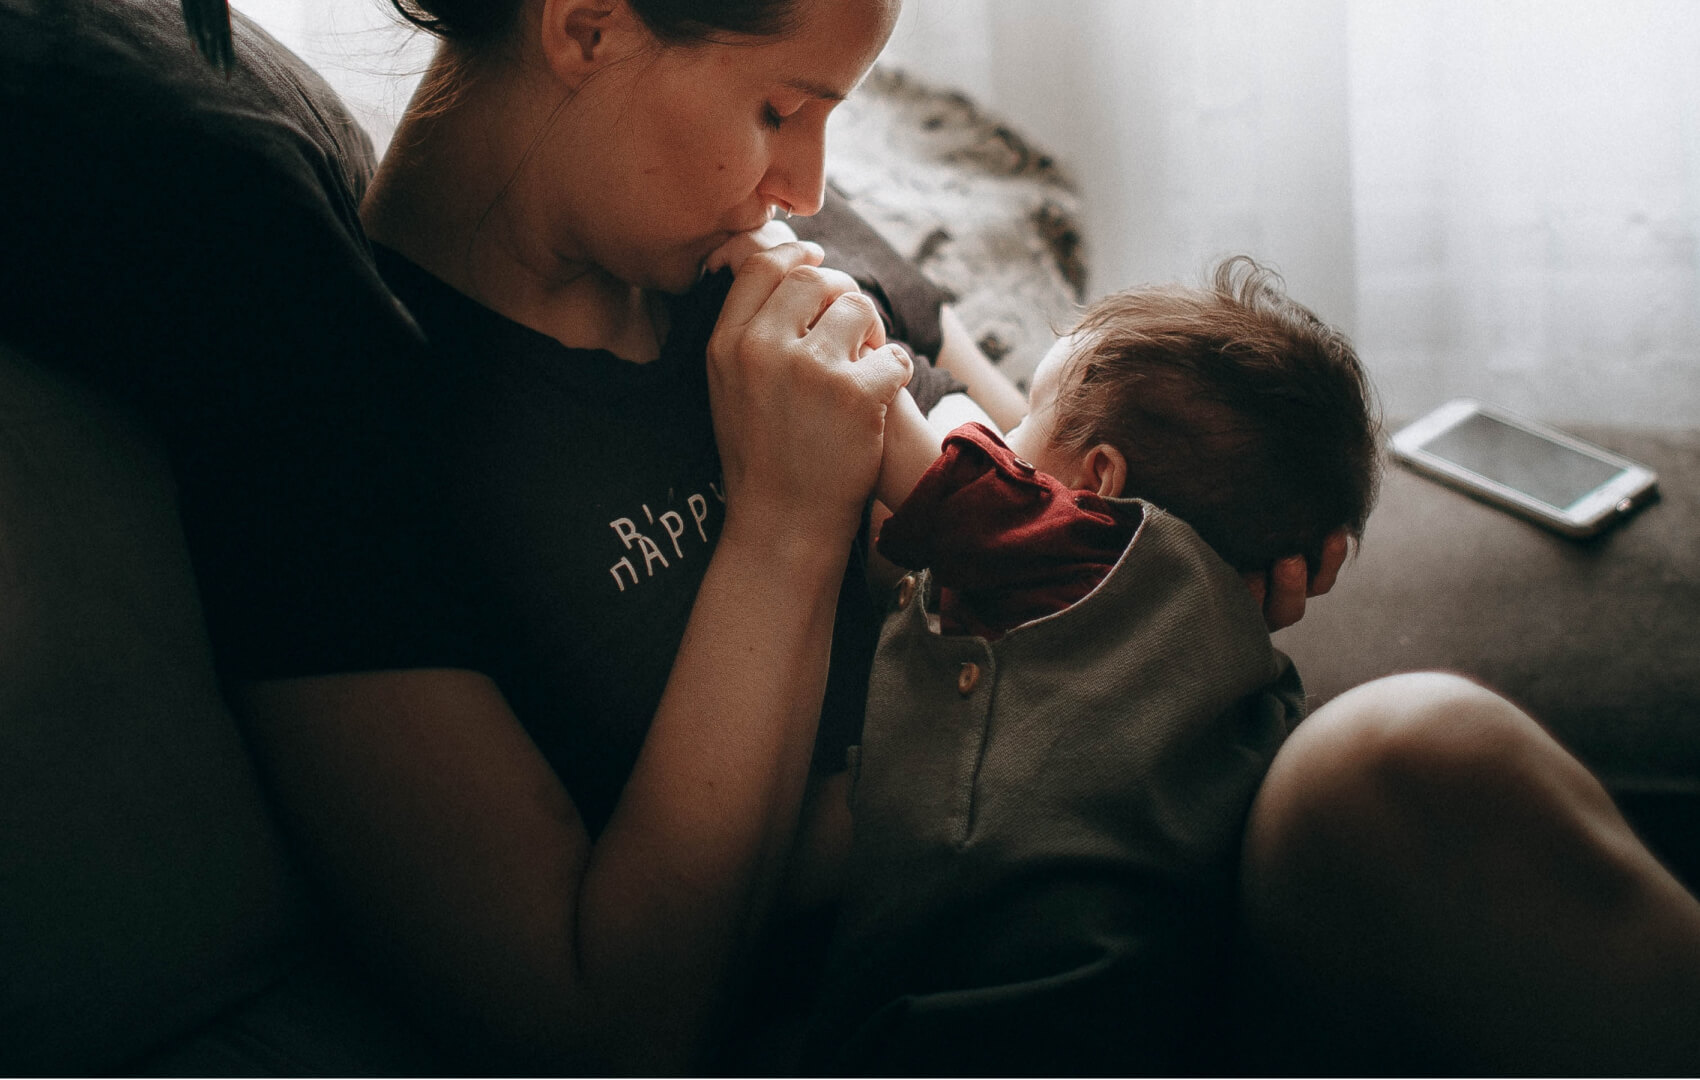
(733, 252)
(1282, 591)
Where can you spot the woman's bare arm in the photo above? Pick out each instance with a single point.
(453, 848)
(447, 838)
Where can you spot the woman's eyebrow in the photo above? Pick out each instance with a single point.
(815, 89)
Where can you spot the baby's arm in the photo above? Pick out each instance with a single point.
(911, 446)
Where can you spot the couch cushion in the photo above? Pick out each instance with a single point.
(189, 241)
(1599, 640)
(186, 240)
(142, 887)
(164, 224)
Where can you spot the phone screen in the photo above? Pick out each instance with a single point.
(1554, 474)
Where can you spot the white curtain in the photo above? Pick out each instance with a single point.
(361, 47)
(1498, 198)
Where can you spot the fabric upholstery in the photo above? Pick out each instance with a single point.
(142, 885)
(1599, 640)
(165, 231)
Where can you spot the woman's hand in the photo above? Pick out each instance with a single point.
(1282, 592)
(733, 252)
(799, 380)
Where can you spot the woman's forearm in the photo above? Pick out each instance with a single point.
(681, 882)
(455, 853)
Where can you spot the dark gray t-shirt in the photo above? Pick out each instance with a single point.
(584, 498)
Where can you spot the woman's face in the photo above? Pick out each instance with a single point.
(672, 152)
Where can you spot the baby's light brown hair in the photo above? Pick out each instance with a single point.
(1238, 410)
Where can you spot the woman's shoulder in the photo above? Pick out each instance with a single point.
(461, 328)
(449, 318)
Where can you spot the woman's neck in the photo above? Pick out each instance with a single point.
(450, 195)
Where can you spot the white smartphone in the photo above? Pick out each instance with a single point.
(1553, 479)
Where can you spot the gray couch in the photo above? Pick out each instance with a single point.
(1599, 640)
(166, 232)
(152, 919)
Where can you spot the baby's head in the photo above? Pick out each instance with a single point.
(1232, 407)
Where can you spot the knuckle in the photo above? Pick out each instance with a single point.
(766, 342)
(875, 331)
(770, 260)
(860, 302)
(808, 275)
(838, 279)
(905, 363)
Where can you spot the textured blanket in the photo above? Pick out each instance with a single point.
(985, 214)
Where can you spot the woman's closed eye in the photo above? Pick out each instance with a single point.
(774, 114)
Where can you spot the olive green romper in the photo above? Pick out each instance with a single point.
(1048, 826)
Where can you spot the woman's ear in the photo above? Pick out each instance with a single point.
(581, 37)
(1104, 470)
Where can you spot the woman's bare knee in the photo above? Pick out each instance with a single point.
(1423, 847)
(1415, 775)
(1365, 762)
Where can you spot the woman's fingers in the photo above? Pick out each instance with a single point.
(733, 252)
(851, 324)
(805, 295)
(758, 277)
(800, 378)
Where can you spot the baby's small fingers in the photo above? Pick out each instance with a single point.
(1284, 604)
(1258, 585)
(1334, 550)
(885, 371)
(850, 323)
(773, 234)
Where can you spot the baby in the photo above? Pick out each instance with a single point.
(1076, 698)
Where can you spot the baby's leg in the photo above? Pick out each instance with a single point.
(1424, 862)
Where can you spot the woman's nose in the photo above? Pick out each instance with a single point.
(796, 181)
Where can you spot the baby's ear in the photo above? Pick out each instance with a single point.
(1104, 470)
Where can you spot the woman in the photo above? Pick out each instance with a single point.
(577, 168)
(564, 806)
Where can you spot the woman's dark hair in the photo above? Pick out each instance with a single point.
(674, 22)
(209, 27)
(1237, 410)
(473, 22)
